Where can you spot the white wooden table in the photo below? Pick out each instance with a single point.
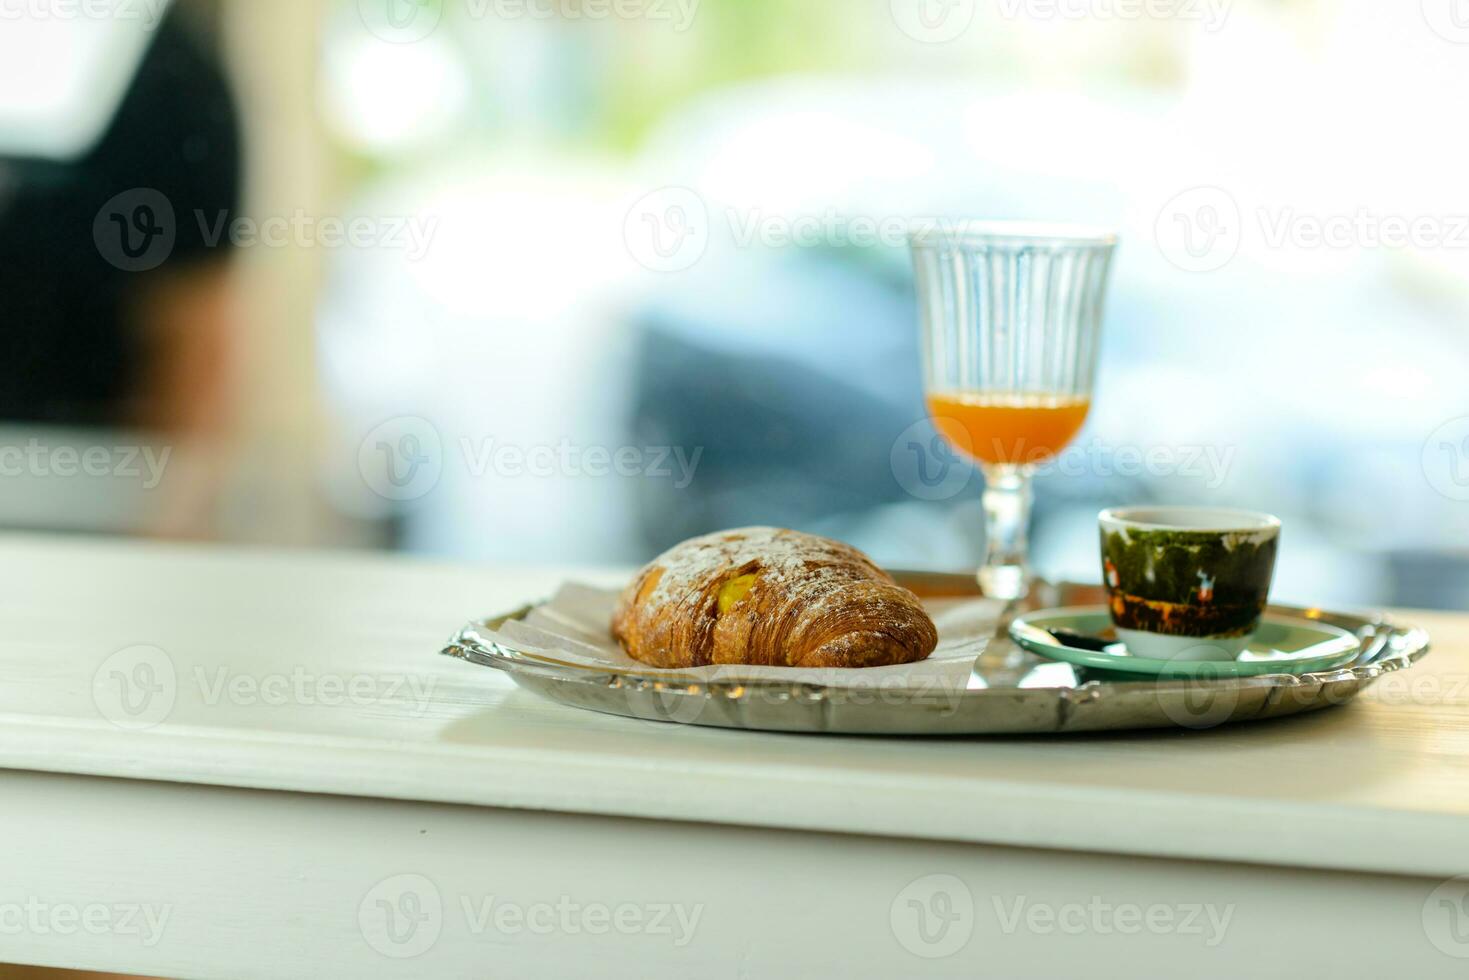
(253, 764)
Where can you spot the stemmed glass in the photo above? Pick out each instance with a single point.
(1011, 316)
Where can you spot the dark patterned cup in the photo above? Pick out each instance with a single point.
(1187, 583)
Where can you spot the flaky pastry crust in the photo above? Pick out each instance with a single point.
(772, 597)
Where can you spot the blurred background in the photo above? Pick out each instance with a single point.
(571, 280)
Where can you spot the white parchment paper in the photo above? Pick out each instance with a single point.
(574, 626)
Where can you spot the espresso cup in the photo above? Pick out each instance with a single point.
(1187, 583)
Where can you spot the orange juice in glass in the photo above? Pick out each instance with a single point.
(1011, 316)
(1000, 428)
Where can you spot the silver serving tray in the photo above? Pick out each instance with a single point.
(1013, 693)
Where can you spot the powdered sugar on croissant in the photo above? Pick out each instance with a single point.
(769, 596)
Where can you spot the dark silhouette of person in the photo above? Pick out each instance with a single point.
(113, 298)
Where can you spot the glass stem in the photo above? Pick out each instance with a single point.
(1007, 497)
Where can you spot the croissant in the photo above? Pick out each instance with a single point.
(772, 597)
